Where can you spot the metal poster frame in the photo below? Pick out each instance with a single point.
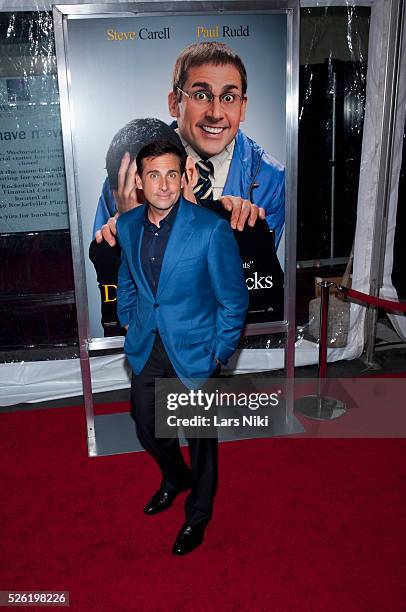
(61, 15)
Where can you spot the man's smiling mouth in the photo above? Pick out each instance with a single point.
(212, 130)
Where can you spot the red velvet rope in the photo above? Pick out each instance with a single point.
(375, 301)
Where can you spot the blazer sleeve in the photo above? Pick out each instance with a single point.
(227, 278)
(126, 291)
(271, 195)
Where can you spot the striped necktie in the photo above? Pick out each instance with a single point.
(203, 189)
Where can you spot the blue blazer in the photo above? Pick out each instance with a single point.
(201, 302)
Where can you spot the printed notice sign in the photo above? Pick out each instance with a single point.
(32, 176)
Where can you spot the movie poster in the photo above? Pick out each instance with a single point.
(121, 68)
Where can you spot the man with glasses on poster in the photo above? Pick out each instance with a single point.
(209, 101)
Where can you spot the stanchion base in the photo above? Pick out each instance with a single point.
(320, 408)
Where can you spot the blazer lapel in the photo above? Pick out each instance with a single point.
(181, 233)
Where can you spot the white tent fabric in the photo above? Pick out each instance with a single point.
(38, 381)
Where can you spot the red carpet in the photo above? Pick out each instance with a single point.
(300, 524)
(111, 408)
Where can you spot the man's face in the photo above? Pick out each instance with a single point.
(211, 128)
(161, 181)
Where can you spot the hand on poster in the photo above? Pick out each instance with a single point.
(126, 197)
(241, 211)
(108, 232)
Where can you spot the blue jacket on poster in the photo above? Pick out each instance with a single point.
(201, 301)
(253, 175)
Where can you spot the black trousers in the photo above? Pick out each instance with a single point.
(202, 475)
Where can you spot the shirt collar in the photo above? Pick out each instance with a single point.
(168, 220)
(217, 160)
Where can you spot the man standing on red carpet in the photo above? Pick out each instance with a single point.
(183, 298)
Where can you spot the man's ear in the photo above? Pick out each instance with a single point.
(138, 181)
(189, 180)
(173, 104)
(191, 172)
(243, 108)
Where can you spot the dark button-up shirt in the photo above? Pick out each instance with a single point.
(154, 242)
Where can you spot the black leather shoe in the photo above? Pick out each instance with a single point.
(188, 539)
(160, 501)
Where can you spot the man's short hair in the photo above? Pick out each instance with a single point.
(159, 148)
(206, 53)
(133, 137)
